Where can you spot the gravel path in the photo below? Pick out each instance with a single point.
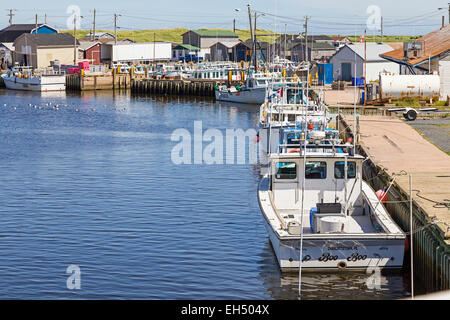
(437, 130)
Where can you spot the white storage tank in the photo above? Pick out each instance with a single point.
(415, 86)
(444, 71)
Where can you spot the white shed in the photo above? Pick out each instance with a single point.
(351, 56)
(134, 52)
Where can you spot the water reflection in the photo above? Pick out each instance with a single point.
(316, 286)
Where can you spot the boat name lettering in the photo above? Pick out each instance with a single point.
(356, 257)
(327, 257)
(342, 248)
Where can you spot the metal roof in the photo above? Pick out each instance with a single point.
(373, 52)
(85, 45)
(50, 39)
(186, 47)
(435, 43)
(231, 44)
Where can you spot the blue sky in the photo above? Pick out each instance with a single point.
(327, 16)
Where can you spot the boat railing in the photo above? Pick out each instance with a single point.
(331, 147)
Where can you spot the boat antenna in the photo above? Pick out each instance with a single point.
(300, 262)
(411, 226)
(354, 100)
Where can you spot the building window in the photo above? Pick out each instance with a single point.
(339, 170)
(286, 170)
(316, 170)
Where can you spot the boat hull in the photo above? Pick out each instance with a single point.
(361, 254)
(53, 83)
(254, 96)
(333, 252)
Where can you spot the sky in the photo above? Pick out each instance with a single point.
(337, 17)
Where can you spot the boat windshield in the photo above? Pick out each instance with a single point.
(286, 170)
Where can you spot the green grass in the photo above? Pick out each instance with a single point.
(411, 102)
(371, 38)
(407, 103)
(174, 35)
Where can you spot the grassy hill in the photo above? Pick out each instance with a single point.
(174, 35)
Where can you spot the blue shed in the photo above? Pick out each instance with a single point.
(325, 73)
(44, 28)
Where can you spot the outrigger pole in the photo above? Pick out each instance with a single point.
(300, 262)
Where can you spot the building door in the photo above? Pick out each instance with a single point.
(346, 72)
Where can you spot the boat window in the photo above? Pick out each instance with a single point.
(275, 117)
(286, 170)
(294, 96)
(316, 170)
(291, 117)
(339, 170)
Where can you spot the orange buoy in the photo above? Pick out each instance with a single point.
(382, 195)
(350, 140)
(293, 150)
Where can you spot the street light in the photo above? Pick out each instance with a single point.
(448, 11)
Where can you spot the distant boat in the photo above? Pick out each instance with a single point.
(24, 78)
(253, 92)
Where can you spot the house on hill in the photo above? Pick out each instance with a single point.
(204, 39)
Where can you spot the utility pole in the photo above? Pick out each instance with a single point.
(115, 28)
(11, 14)
(365, 67)
(251, 33)
(93, 29)
(36, 23)
(381, 29)
(306, 39)
(234, 25)
(75, 39)
(254, 35)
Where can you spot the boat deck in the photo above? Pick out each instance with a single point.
(354, 224)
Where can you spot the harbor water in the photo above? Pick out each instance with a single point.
(88, 180)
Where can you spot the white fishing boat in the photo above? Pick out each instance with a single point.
(24, 78)
(314, 197)
(286, 106)
(253, 92)
(176, 71)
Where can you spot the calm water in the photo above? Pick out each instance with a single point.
(92, 184)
